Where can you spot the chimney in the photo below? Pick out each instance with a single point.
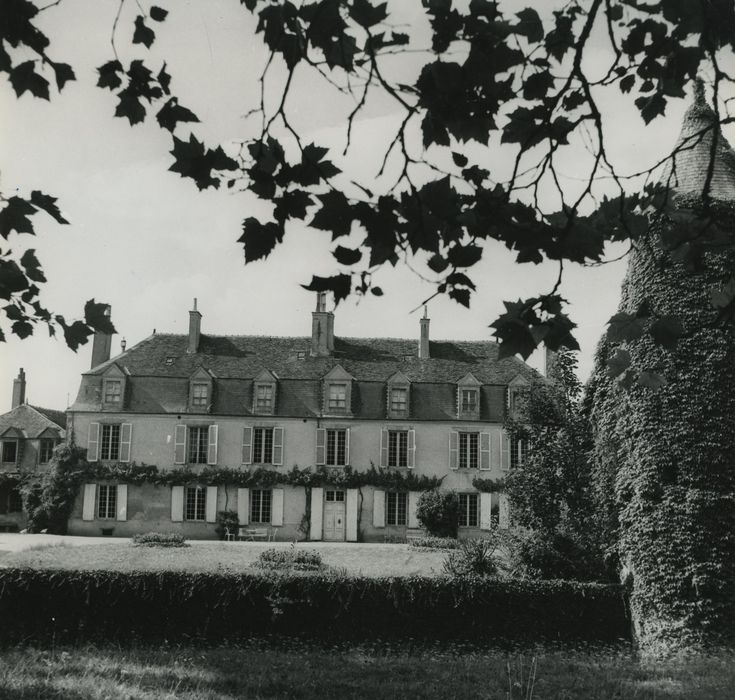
(424, 337)
(195, 329)
(19, 389)
(123, 345)
(101, 345)
(322, 328)
(549, 361)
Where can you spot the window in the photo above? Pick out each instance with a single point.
(336, 448)
(263, 445)
(198, 444)
(518, 448)
(398, 448)
(110, 442)
(264, 398)
(45, 450)
(10, 451)
(260, 505)
(196, 497)
(399, 399)
(10, 500)
(337, 397)
(468, 401)
(199, 394)
(396, 508)
(468, 512)
(468, 450)
(107, 501)
(334, 496)
(112, 390)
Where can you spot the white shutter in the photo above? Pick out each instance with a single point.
(277, 507)
(90, 492)
(93, 441)
(504, 511)
(212, 445)
(243, 506)
(486, 511)
(126, 437)
(485, 450)
(122, 502)
(378, 508)
(383, 448)
(454, 450)
(177, 504)
(495, 449)
(317, 513)
(180, 444)
(321, 446)
(351, 515)
(247, 445)
(278, 446)
(413, 502)
(505, 452)
(411, 462)
(211, 507)
(347, 446)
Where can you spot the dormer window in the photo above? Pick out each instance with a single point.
(113, 387)
(517, 397)
(337, 394)
(399, 399)
(399, 394)
(201, 389)
(337, 400)
(468, 398)
(264, 398)
(112, 391)
(199, 395)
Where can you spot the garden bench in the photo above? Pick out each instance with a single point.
(415, 533)
(254, 533)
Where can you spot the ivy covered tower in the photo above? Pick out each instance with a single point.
(665, 459)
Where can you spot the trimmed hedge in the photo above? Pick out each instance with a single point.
(86, 605)
(159, 539)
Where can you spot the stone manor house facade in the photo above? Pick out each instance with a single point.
(431, 408)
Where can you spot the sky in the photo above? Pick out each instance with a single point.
(147, 242)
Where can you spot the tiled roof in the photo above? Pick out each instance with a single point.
(31, 421)
(688, 173)
(158, 371)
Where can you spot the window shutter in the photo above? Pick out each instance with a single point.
(177, 504)
(504, 511)
(413, 503)
(486, 511)
(505, 452)
(212, 445)
(347, 446)
(243, 506)
(211, 507)
(352, 515)
(484, 450)
(321, 446)
(180, 444)
(126, 437)
(90, 491)
(247, 445)
(122, 502)
(454, 450)
(277, 507)
(495, 449)
(278, 446)
(93, 442)
(411, 456)
(317, 514)
(378, 508)
(383, 448)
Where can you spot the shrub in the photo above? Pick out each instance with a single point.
(473, 558)
(437, 511)
(292, 558)
(435, 543)
(159, 539)
(227, 520)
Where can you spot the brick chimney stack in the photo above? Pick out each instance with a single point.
(101, 344)
(19, 389)
(195, 329)
(424, 337)
(322, 328)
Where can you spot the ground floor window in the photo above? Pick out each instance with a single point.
(260, 505)
(196, 497)
(468, 510)
(396, 508)
(107, 501)
(334, 496)
(10, 500)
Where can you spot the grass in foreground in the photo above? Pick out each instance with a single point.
(368, 559)
(261, 670)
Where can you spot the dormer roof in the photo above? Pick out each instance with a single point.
(265, 375)
(469, 379)
(398, 378)
(33, 421)
(338, 373)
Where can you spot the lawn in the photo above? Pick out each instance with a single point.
(265, 670)
(367, 559)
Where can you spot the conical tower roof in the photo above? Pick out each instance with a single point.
(687, 175)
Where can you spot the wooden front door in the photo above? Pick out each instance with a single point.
(334, 515)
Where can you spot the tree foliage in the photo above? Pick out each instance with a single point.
(487, 79)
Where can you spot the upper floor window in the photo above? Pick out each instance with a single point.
(10, 451)
(196, 503)
(468, 510)
(199, 395)
(110, 442)
(399, 399)
(198, 444)
(469, 402)
(518, 449)
(107, 501)
(396, 508)
(112, 391)
(264, 398)
(337, 398)
(263, 445)
(469, 444)
(45, 450)
(397, 448)
(336, 448)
